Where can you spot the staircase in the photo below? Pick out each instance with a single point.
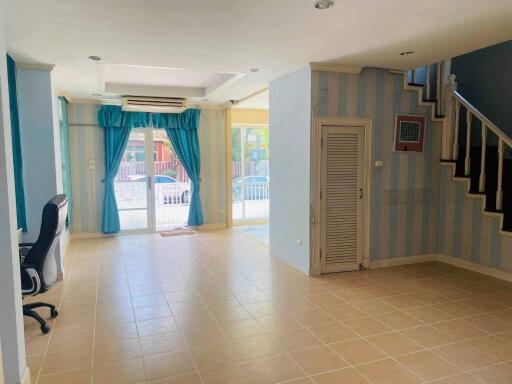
(478, 151)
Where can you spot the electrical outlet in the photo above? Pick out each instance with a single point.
(379, 163)
(92, 164)
(299, 242)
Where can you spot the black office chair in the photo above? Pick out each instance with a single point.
(38, 264)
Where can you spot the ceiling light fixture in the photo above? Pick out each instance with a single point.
(94, 58)
(406, 53)
(255, 69)
(324, 4)
(97, 94)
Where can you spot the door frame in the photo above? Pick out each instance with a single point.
(150, 185)
(315, 203)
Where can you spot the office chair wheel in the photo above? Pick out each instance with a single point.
(45, 328)
(54, 313)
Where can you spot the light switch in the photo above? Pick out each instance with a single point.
(92, 164)
(379, 163)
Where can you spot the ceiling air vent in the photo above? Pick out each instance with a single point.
(153, 104)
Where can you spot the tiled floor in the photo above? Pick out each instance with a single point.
(214, 308)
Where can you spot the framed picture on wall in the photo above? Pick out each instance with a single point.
(409, 133)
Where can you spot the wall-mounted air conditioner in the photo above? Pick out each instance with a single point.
(153, 104)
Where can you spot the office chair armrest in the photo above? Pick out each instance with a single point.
(34, 277)
(25, 245)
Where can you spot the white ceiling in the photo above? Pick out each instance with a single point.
(232, 36)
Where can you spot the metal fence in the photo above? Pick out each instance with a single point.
(172, 168)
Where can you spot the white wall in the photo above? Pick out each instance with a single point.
(11, 318)
(290, 127)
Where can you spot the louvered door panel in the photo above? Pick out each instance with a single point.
(341, 178)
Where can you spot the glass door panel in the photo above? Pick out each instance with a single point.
(171, 184)
(250, 171)
(132, 182)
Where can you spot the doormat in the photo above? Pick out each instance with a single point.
(177, 232)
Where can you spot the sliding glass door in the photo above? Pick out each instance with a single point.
(133, 182)
(152, 187)
(250, 174)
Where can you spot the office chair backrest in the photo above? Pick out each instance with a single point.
(42, 253)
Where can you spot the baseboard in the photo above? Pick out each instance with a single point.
(393, 262)
(492, 272)
(207, 227)
(26, 376)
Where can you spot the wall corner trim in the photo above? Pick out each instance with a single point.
(469, 265)
(26, 376)
(339, 68)
(395, 261)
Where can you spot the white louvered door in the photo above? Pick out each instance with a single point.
(341, 198)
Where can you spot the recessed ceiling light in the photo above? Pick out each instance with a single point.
(94, 58)
(406, 53)
(324, 4)
(255, 69)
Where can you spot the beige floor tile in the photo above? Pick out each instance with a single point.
(257, 347)
(163, 342)
(343, 376)
(203, 336)
(274, 369)
(116, 350)
(428, 365)
(374, 307)
(464, 356)
(463, 378)
(402, 302)
(312, 317)
(278, 323)
(394, 343)
(81, 376)
(69, 360)
(357, 351)
(398, 320)
(344, 312)
(325, 299)
(124, 372)
(429, 314)
(496, 374)
(243, 328)
(494, 347)
(428, 336)
(333, 332)
(387, 372)
(215, 355)
(156, 326)
(187, 378)
(168, 364)
(228, 374)
(70, 340)
(459, 329)
(318, 360)
(489, 323)
(366, 326)
(296, 339)
(152, 312)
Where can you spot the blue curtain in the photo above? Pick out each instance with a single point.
(186, 144)
(182, 131)
(16, 145)
(65, 156)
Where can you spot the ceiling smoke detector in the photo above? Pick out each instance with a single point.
(255, 69)
(324, 4)
(94, 58)
(406, 53)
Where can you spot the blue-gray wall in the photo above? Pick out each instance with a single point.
(484, 78)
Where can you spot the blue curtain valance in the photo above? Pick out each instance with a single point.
(113, 116)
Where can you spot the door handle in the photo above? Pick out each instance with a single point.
(360, 193)
(149, 182)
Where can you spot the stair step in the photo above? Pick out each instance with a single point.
(493, 210)
(440, 116)
(477, 193)
(430, 100)
(462, 176)
(449, 161)
(416, 85)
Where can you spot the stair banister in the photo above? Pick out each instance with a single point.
(438, 89)
(499, 192)
(456, 131)
(467, 161)
(481, 182)
(427, 82)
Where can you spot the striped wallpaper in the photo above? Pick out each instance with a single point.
(86, 143)
(464, 232)
(405, 191)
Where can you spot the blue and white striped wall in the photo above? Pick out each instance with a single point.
(464, 232)
(86, 143)
(405, 190)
